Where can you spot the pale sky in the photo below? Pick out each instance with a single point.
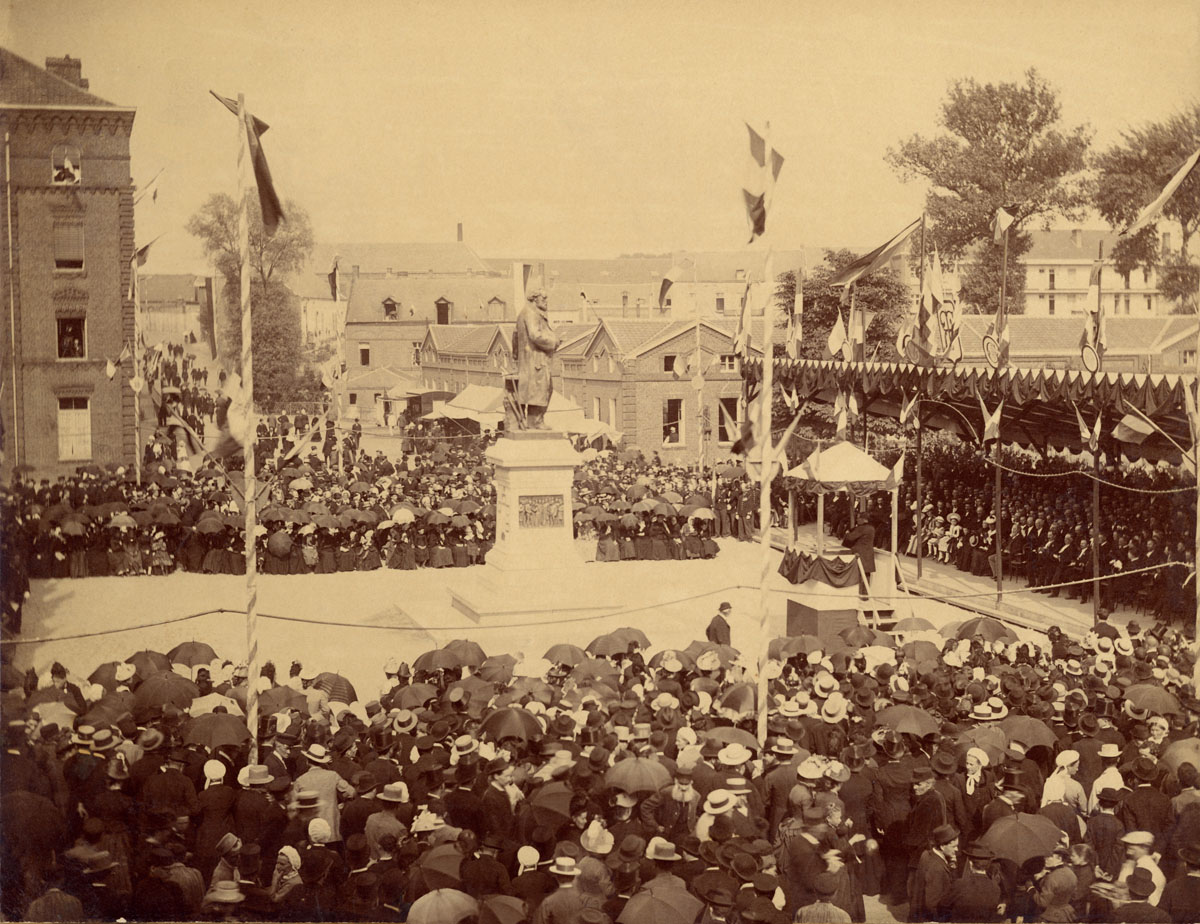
(569, 130)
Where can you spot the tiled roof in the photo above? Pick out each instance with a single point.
(1061, 335)
(627, 336)
(1049, 246)
(23, 83)
(381, 378)
(449, 257)
(420, 293)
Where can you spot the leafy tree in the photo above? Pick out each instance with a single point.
(1130, 174)
(1003, 146)
(274, 309)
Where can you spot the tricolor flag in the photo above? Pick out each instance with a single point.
(991, 422)
(895, 476)
(1002, 221)
(837, 337)
(1088, 438)
(268, 199)
(741, 340)
(999, 330)
(1151, 211)
(150, 189)
(908, 409)
(1133, 429)
(140, 256)
(860, 323)
(670, 277)
(760, 187)
(1095, 330)
(795, 322)
(333, 279)
(868, 263)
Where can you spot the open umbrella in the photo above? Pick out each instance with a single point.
(280, 699)
(502, 909)
(727, 734)
(280, 543)
(511, 722)
(913, 624)
(1022, 837)
(637, 774)
(336, 687)
(726, 654)
(551, 804)
(438, 660)
(662, 906)
(148, 662)
(216, 729)
(605, 646)
(442, 906)
(991, 629)
(161, 689)
(910, 720)
(440, 867)
(192, 654)
(479, 690)
(1028, 730)
(416, 695)
(1155, 698)
(1185, 750)
(802, 644)
(629, 634)
(565, 654)
(596, 669)
(739, 698)
(469, 653)
(863, 637)
(990, 739)
(105, 675)
(498, 668)
(921, 651)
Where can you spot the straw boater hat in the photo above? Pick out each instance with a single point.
(719, 802)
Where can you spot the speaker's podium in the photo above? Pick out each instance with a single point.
(825, 610)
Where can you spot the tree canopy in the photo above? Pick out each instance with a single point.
(271, 257)
(1129, 175)
(1003, 145)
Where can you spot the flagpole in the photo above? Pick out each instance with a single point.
(702, 437)
(920, 543)
(137, 371)
(1195, 428)
(766, 440)
(250, 441)
(1096, 455)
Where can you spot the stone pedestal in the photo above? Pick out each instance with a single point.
(533, 569)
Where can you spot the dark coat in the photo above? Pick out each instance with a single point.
(931, 885)
(534, 343)
(974, 897)
(861, 541)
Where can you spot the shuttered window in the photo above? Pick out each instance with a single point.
(74, 429)
(68, 245)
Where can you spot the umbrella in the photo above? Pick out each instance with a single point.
(502, 909)
(864, 637)
(442, 906)
(1153, 697)
(727, 734)
(498, 668)
(685, 660)
(440, 865)
(403, 515)
(595, 669)
(991, 629)
(337, 687)
(636, 492)
(274, 515)
(32, 825)
(215, 729)
(726, 654)
(663, 509)
(280, 699)
(161, 689)
(316, 507)
(105, 675)
(147, 662)
(637, 774)
(437, 660)
(730, 472)
(802, 644)
(1028, 730)
(359, 487)
(469, 653)
(122, 520)
(209, 525)
(511, 722)
(921, 651)
(662, 906)
(73, 528)
(1185, 750)
(551, 804)
(436, 518)
(702, 513)
(699, 499)
(910, 720)
(533, 687)
(990, 739)
(192, 654)
(60, 714)
(416, 695)
(468, 506)
(479, 690)
(913, 624)
(740, 698)
(327, 521)
(671, 497)
(565, 654)
(605, 646)
(1022, 837)
(628, 634)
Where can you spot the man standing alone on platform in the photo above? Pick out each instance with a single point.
(718, 629)
(861, 541)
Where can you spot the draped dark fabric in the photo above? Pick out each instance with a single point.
(799, 567)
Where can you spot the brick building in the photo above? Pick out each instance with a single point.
(172, 304)
(620, 372)
(68, 233)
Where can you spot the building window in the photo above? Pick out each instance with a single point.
(1149, 304)
(354, 397)
(1145, 275)
(595, 363)
(667, 302)
(595, 408)
(1188, 357)
(364, 356)
(71, 341)
(1126, 280)
(390, 309)
(1051, 284)
(1116, 303)
(74, 429)
(65, 165)
(443, 310)
(672, 429)
(668, 364)
(720, 303)
(728, 362)
(1051, 306)
(68, 245)
(612, 412)
(1127, 299)
(624, 299)
(727, 415)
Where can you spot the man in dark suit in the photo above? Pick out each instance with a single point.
(861, 541)
(1181, 896)
(1141, 886)
(718, 628)
(974, 896)
(930, 884)
(1147, 809)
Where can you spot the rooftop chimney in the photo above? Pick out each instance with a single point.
(68, 69)
(460, 232)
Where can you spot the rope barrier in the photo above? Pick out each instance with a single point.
(341, 624)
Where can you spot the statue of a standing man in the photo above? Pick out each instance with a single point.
(534, 344)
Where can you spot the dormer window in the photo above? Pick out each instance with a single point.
(443, 306)
(391, 309)
(65, 165)
(739, 275)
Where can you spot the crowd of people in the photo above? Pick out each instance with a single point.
(979, 779)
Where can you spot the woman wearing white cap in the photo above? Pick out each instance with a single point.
(216, 816)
